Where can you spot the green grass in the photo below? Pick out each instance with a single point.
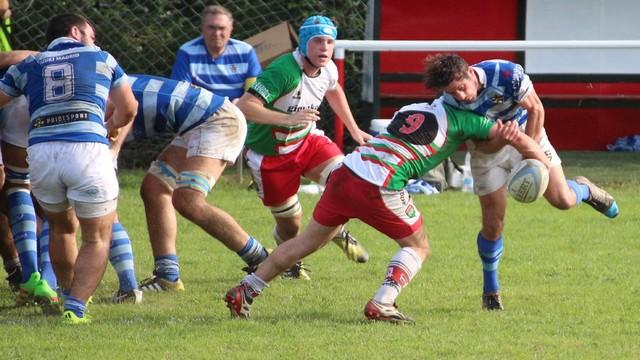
(569, 283)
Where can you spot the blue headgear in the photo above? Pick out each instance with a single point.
(316, 25)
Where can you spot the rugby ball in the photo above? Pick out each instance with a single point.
(528, 181)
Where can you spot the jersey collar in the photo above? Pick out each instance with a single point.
(64, 43)
(482, 76)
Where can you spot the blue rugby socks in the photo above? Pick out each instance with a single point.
(581, 190)
(46, 270)
(121, 258)
(167, 267)
(253, 252)
(22, 217)
(490, 253)
(77, 306)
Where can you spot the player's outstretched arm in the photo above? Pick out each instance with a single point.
(13, 57)
(253, 109)
(535, 115)
(525, 145)
(338, 102)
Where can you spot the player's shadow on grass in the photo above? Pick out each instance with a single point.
(327, 317)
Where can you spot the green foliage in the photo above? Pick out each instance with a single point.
(145, 35)
(569, 282)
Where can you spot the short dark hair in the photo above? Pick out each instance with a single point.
(60, 25)
(440, 70)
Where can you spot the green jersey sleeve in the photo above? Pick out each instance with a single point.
(469, 124)
(280, 77)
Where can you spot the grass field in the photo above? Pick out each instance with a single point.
(570, 284)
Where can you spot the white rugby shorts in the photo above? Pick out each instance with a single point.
(491, 171)
(75, 171)
(220, 137)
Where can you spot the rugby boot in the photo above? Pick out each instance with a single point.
(133, 297)
(25, 293)
(239, 300)
(350, 246)
(492, 301)
(376, 311)
(158, 284)
(298, 271)
(599, 199)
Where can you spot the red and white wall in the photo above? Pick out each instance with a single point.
(591, 97)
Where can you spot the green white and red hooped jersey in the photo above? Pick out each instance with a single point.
(419, 137)
(284, 87)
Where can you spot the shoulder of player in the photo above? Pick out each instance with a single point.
(240, 46)
(198, 41)
(332, 69)
(457, 114)
(193, 46)
(107, 57)
(285, 64)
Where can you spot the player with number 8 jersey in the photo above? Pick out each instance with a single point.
(70, 163)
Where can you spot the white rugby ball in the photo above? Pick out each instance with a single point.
(528, 181)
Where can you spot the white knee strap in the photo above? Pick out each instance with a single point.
(195, 180)
(164, 172)
(289, 209)
(324, 174)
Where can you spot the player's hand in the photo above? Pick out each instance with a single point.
(302, 117)
(112, 134)
(507, 132)
(361, 137)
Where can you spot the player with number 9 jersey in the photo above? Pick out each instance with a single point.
(369, 186)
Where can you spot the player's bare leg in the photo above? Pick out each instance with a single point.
(9, 255)
(490, 245)
(343, 239)
(558, 193)
(62, 245)
(286, 229)
(92, 256)
(191, 202)
(284, 257)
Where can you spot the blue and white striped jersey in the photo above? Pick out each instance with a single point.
(224, 75)
(503, 84)
(170, 105)
(67, 87)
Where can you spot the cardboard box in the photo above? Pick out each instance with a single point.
(274, 42)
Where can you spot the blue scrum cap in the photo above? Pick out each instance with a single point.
(313, 26)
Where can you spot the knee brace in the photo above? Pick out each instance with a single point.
(164, 172)
(289, 209)
(195, 180)
(324, 174)
(17, 175)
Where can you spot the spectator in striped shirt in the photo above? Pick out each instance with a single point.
(214, 60)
